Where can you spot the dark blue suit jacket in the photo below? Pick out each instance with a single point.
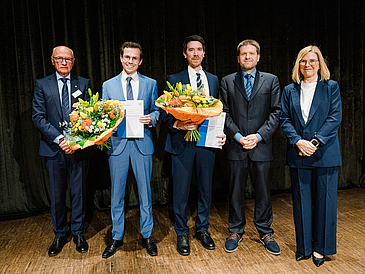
(175, 143)
(323, 122)
(47, 113)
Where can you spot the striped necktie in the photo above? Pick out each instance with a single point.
(199, 82)
(65, 100)
(248, 86)
(129, 89)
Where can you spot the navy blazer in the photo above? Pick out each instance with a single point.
(323, 122)
(175, 142)
(260, 114)
(47, 112)
(113, 89)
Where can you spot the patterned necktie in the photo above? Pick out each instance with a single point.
(199, 82)
(65, 100)
(129, 89)
(248, 86)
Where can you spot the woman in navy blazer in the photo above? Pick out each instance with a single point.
(310, 118)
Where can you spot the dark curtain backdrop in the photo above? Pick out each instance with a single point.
(95, 30)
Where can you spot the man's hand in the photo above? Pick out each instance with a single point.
(64, 146)
(223, 141)
(185, 125)
(249, 142)
(145, 119)
(306, 148)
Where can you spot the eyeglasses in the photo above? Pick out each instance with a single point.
(133, 59)
(60, 59)
(311, 62)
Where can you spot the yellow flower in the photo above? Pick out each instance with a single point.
(90, 109)
(83, 115)
(100, 124)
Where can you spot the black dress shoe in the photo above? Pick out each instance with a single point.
(81, 244)
(150, 246)
(183, 245)
(112, 248)
(318, 261)
(299, 256)
(56, 246)
(205, 239)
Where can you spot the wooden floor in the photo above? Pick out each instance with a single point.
(24, 244)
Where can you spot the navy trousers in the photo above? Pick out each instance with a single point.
(59, 168)
(315, 209)
(182, 169)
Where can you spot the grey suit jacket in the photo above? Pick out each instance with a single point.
(260, 114)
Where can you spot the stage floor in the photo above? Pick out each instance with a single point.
(24, 243)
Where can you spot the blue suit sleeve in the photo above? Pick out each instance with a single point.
(330, 127)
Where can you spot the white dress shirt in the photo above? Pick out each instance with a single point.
(192, 77)
(134, 84)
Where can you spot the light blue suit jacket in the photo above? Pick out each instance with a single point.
(323, 122)
(112, 89)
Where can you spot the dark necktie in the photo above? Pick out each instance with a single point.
(199, 82)
(248, 86)
(129, 89)
(65, 100)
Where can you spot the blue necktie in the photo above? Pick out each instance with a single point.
(248, 86)
(65, 100)
(199, 82)
(129, 89)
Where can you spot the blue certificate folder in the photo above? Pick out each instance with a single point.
(203, 129)
(122, 128)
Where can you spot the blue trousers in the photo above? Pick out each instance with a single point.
(142, 169)
(315, 209)
(182, 169)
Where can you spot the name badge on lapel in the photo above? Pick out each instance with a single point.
(77, 93)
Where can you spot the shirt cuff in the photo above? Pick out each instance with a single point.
(258, 136)
(237, 137)
(58, 138)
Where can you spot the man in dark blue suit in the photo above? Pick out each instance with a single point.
(54, 96)
(183, 153)
(137, 152)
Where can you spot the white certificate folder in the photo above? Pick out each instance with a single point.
(210, 129)
(130, 127)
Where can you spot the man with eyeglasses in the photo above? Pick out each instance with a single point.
(54, 96)
(137, 152)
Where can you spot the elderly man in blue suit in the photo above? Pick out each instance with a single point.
(131, 85)
(54, 96)
(183, 153)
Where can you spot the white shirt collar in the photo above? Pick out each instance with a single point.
(134, 76)
(59, 76)
(193, 72)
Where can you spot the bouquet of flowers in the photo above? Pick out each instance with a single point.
(186, 104)
(92, 123)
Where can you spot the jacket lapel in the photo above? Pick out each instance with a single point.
(141, 88)
(238, 81)
(75, 86)
(295, 96)
(53, 87)
(259, 80)
(317, 99)
(119, 88)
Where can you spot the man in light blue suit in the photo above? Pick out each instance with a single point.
(131, 85)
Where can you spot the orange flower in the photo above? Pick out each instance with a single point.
(106, 107)
(74, 116)
(86, 123)
(112, 114)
